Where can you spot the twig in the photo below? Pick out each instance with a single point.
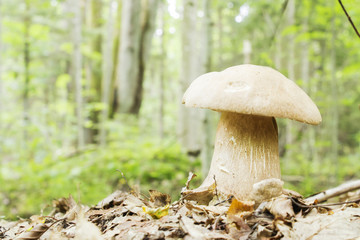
(216, 193)
(333, 192)
(322, 205)
(349, 18)
(226, 200)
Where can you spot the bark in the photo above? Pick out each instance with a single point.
(190, 123)
(291, 69)
(137, 28)
(247, 51)
(210, 116)
(333, 192)
(93, 20)
(308, 144)
(162, 74)
(334, 97)
(107, 69)
(26, 59)
(220, 33)
(1, 84)
(77, 71)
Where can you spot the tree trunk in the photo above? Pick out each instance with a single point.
(93, 19)
(291, 70)
(308, 143)
(26, 103)
(135, 41)
(192, 66)
(77, 72)
(210, 117)
(334, 97)
(162, 73)
(1, 83)
(107, 69)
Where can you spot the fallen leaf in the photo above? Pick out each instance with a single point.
(158, 199)
(202, 195)
(63, 205)
(340, 225)
(36, 232)
(198, 232)
(281, 208)
(239, 210)
(190, 177)
(156, 213)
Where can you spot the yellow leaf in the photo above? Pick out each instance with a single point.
(157, 213)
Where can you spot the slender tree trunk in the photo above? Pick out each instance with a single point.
(107, 69)
(220, 33)
(334, 96)
(93, 20)
(210, 116)
(1, 83)
(77, 72)
(128, 62)
(147, 30)
(278, 53)
(291, 69)
(26, 103)
(162, 73)
(192, 66)
(113, 107)
(308, 143)
(247, 51)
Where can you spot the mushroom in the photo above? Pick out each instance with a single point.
(249, 98)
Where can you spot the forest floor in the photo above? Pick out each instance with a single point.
(127, 215)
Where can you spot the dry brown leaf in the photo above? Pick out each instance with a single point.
(36, 232)
(340, 225)
(281, 208)
(198, 232)
(63, 205)
(116, 198)
(158, 199)
(217, 210)
(202, 195)
(190, 177)
(239, 210)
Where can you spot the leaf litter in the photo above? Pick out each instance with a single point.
(274, 213)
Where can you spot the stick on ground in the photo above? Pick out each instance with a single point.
(333, 192)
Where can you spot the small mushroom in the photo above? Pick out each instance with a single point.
(249, 98)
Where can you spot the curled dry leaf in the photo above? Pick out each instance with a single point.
(158, 199)
(190, 177)
(202, 195)
(239, 210)
(63, 205)
(281, 208)
(36, 232)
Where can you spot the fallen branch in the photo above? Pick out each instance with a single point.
(301, 205)
(333, 192)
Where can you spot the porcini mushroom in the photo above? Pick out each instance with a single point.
(249, 98)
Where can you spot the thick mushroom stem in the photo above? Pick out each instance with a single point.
(246, 152)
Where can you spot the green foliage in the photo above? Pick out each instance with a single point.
(93, 174)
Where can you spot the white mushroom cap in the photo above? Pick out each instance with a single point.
(254, 90)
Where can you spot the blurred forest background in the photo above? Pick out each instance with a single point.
(90, 89)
